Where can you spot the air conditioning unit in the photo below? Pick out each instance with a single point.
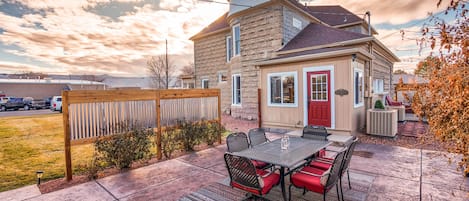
(381, 122)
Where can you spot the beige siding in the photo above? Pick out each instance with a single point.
(289, 117)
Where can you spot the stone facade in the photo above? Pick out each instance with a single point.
(210, 59)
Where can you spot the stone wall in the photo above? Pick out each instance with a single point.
(210, 59)
(261, 35)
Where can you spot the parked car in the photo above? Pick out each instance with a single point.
(47, 101)
(56, 103)
(14, 103)
(34, 103)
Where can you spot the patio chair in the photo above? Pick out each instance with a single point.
(236, 142)
(318, 180)
(325, 163)
(244, 176)
(315, 133)
(257, 136)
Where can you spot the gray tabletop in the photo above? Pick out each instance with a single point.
(270, 152)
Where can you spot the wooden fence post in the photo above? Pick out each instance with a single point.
(66, 122)
(159, 154)
(219, 114)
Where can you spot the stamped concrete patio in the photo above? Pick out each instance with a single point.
(378, 172)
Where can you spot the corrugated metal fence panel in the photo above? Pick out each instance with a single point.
(90, 120)
(190, 109)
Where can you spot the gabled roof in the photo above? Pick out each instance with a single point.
(333, 15)
(317, 34)
(218, 25)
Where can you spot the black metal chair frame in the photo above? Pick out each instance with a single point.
(334, 176)
(257, 136)
(315, 132)
(243, 172)
(346, 162)
(239, 139)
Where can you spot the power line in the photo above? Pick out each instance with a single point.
(413, 24)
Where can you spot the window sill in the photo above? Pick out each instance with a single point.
(381, 93)
(282, 105)
(359, 105)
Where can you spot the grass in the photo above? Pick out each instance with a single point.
(32, 143)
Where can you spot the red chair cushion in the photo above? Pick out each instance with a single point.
(322, 153)
(312, 183)
(259, 164)
(320, 165)
(269, 182)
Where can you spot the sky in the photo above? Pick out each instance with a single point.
(117, 37)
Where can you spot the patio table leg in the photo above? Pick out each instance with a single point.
(282, 183)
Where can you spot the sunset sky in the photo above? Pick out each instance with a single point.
(116, 37)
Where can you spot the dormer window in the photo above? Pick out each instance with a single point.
(236, 40)
(297, 23)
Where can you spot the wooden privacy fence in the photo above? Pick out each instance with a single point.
(90, 114)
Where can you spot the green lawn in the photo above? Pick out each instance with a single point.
(32, 143)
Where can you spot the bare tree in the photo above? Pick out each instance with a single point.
(188, 70)
(160, 71)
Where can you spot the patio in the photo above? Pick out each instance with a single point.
(378, 172)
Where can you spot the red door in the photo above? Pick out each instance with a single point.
(319, 98)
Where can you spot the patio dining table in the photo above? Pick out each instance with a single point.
(298, 150)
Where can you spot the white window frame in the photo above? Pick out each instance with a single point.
(378, 86)
(234, 86)
(362, 94)
(236, 49)
(269, 90)
(229, 48)
(220, 77)
(202, 83)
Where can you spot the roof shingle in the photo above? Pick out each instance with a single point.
(333, 15)
(318, 34)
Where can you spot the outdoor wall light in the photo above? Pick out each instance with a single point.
(39, 174)
(354, 56)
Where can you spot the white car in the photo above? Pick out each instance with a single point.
(56, 103)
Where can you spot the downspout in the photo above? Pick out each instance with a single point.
(370, 65)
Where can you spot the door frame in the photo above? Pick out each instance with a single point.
(331, 92)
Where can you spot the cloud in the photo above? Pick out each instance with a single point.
(393, 12)
(77, 40)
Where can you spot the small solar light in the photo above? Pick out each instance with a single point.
(39, 174)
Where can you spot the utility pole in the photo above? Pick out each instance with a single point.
(167, 67)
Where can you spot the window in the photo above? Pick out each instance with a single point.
(222, 77)
(229, 48)
(358, 87)
(236, 86)
(296, 23)
(282, 89)
(378, 86)
(204, 84)
(319, 87)
(236, 40)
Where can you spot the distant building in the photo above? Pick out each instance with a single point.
(137, 82)
(405, 91)
(41, 88)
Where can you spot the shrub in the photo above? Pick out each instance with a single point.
(214, 129)
(379, 105)
(190, 135)
(170, 141)
(121, 150)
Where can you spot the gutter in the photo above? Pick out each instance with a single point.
(314, 56)
(337, 44)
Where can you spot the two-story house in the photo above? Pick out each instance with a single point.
(313, 64)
